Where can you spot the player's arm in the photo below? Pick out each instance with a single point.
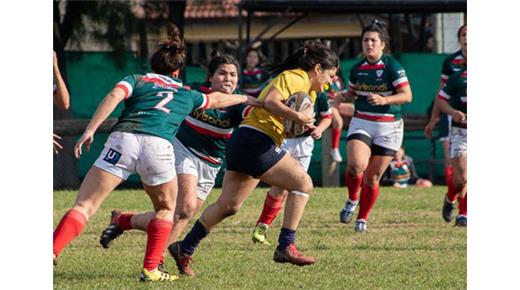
(346, 97)
(105, 108)
(61, 94)
(403, 95)
(323, 124)
(436, 110)
(403, 91)
(273, 102)
(457, 116)
(218, 100)
(434, 118)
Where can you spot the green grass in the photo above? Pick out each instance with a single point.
(408, 246)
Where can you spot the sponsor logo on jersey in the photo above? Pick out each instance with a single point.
(112, 156)
(373, 88)
(202, 116)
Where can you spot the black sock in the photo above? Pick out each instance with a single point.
(193, 238)
(286, 238)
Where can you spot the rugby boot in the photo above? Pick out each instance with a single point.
(447, 210)
(360, 226)
(347, 212)
(182, 260)
(461, 221)
(291, 255)
(260, 234)
(156, 276)
(113, 230)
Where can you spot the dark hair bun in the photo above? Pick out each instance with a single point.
(175, 42)
(215, 53)
(378, 22)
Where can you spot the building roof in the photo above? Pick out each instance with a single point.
(218, 9)
(201, 9)
(357, 6)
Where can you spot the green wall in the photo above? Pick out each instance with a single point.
(92, 74)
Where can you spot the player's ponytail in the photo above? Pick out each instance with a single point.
(306, 57)
(171, 53)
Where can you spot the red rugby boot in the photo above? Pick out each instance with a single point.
(291, 255)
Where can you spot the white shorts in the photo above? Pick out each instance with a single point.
(388, 135)
(458, 142)
(151, 157)
(188, 163)
(300, 149)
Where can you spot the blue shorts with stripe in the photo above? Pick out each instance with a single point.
(252, 152)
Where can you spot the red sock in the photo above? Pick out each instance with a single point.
(70, 226)
(272, 206)
(463, 205)
(161, 260)
(353, 183)
(451, 195)
(158, 233)
(335, 134)
(125, 221)
(448, 173)
(368, 199)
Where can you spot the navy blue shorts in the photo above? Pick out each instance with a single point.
(252, 152)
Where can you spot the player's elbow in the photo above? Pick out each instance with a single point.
(408, 97)
(66, 104)
(61, 101)
(270, 104)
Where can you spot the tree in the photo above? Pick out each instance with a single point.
(112, 22)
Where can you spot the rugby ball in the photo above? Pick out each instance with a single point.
(300, 102)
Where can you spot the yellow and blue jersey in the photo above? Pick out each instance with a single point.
(286, 83)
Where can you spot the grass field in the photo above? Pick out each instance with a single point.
(408, 246)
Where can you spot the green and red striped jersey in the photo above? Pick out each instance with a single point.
(455, 93)
(383, 77)
(156, 105)
(206, 133)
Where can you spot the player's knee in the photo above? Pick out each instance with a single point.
(187, 211)
(356, 168)
(165, 204)
(459, 183)
(305, 185)
(371, 180)
(229, 209)
(86, 208)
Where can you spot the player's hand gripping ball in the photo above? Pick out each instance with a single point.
(300, 102)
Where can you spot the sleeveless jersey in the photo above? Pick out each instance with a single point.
(206, 133)
(383, 77)
(455, 93)
(253, 81)
(156, 105)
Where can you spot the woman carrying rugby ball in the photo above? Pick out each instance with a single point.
(254, 154)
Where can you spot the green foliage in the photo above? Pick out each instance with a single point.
(109, 21)
(408, 246)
